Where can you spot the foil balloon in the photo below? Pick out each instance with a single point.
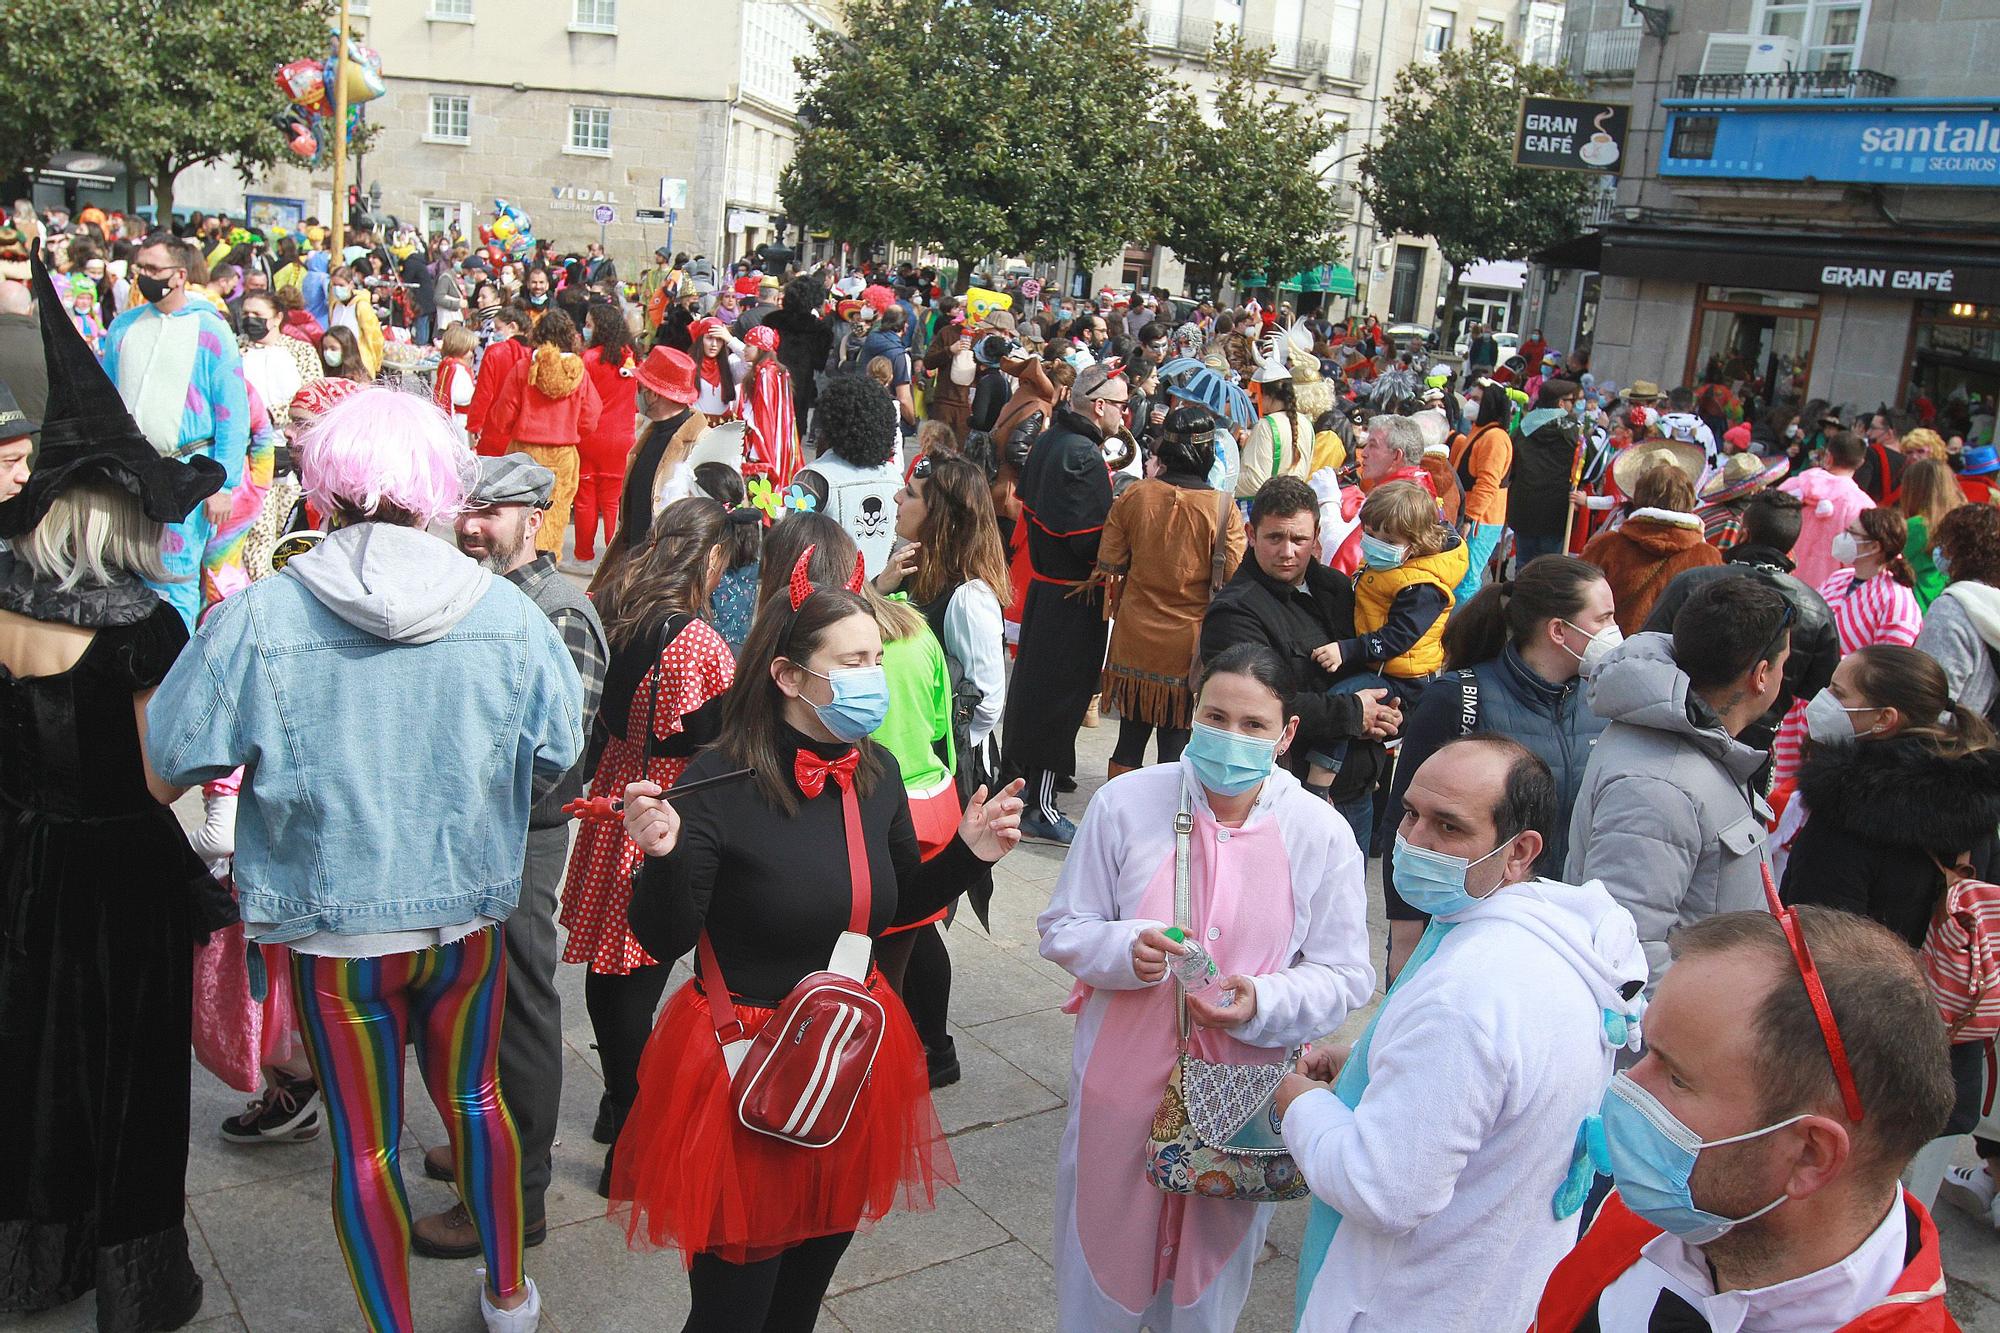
(364, 74)
(303, 82)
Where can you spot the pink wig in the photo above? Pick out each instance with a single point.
(384, 446)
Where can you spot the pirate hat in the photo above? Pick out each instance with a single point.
(88, 433)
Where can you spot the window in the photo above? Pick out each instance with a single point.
(1694, 137)
(1829, 31)
(1406, 286)
(442, 215)
(1954, 361)
(589, 131)
(1229, 13)
(1761, 341)
(1438, 30)
(1498, 27)
(594, 16)
(449, 11)
(451, 119)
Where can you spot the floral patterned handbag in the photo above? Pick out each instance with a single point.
(1215, 1132)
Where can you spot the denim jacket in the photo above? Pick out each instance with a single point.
(387, 769)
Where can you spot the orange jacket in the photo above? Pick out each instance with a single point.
(548, 399)
(1487, 460)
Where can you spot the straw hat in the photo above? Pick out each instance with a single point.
(1635, 462)
(1741, 474)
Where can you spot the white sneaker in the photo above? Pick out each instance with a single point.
(524, 1318)
(1973, 1189)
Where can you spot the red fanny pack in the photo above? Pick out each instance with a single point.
(799, 1078)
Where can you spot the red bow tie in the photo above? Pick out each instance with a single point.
(810, 771)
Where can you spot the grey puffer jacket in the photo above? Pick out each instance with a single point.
(1666, 817)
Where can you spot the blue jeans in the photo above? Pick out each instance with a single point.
(1527, 548)
(1479, 544)
(1360, 816)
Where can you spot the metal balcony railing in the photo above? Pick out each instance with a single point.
(1609, 54)
(1602, 208)
(1289, 53)
(1829, 83)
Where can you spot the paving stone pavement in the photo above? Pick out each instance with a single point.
(259, 1222)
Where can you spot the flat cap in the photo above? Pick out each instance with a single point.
(512, 479)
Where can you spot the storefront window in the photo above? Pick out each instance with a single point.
(1756, 342)
(1954, 364)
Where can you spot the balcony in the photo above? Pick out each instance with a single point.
(1609, 54)
(1289, 54)
(1796, 83)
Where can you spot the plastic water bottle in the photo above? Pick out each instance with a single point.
(1195, 970)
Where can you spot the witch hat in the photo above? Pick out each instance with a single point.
(88, 433)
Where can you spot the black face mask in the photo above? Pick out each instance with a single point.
(153, 289)
(254, 328)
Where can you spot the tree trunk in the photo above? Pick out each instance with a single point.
(963, 278)
(163, 195)
(1454, 297)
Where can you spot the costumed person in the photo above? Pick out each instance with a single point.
(1274, 893)
(103, 900)
(657, 473)
(223, 571)
(1170, 543)
(456, 383)
(351, 307)
(83, 312)
(177, 368)
(770, 426)
(1660, 538)
(1283, 441)
(719, 367)
(507, 351)
(1728, 491)
(391, 909)
(662, 703)
(613, 363)
(859, 467)
(1794, 1065)
(1065, 498)
(778, 878)
(1447, 1212)
(545, 411)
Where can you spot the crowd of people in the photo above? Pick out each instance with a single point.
(1668, 716)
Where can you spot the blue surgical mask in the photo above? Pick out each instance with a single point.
(1227, 762)
(860, 701)
(1434, 882)
(1937, 558)
(1378, 554)
(1650, 1154)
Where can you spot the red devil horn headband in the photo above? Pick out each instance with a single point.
(802, 584)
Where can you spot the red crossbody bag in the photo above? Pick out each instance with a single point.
(799, 1078)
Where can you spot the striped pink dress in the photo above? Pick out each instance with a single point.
(1876, 610)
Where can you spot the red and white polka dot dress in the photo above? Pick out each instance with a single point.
(697, 667)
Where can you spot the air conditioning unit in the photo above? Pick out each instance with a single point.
(1746, 53)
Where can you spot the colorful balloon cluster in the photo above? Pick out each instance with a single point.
(510, 233)
(308, 86)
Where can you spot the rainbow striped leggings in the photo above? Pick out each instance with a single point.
(356, 1014)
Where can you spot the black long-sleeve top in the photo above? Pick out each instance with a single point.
(773, 889)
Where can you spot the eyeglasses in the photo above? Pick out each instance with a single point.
(1829, 1031)
(159, 270)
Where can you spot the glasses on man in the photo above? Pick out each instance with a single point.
(160, 270)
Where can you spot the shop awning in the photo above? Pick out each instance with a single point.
(1333, 279)
(1876, 264)
(1584, 251)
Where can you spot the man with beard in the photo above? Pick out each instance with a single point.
(502, 515)
(1065, 495)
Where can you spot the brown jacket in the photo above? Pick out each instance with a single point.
(1034, 392)
(1641, 558)
(1159, 547)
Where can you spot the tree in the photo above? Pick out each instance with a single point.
(1012, 127)
(161, 84)
(1240, 190)
(1444, 167)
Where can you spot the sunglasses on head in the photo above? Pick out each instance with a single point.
(1829, 1030)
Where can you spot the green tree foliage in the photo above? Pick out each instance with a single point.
(161, 84)
(1240, 190)
(977, 126)
(1444, 166)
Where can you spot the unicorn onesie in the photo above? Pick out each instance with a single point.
(182, 379)
(1281, 900)
(1449, 1160)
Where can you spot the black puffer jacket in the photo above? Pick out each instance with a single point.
(1878, 811)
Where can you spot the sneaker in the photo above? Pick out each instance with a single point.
(524, 1318)
(943, 1062)
(1973, 1189)
(287, 1112)
(1059, 832)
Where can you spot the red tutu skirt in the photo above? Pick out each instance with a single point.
(936, 819)
(688, 1176)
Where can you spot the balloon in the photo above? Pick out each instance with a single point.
(364, 74)
(981, 302)
(502, 228)
(301, 140)
(304, 82)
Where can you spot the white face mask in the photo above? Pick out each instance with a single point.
(1847, 547)
(1599, 647)
(1829, 722)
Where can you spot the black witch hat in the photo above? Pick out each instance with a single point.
(88, 433)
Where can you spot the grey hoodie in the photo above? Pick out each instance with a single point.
(1666, 818)
(1963, 625)
(397, 583)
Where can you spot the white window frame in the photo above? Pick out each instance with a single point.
(431, 134)
(1814, 13)
(576, 149)
(579, 23)
(1450, 30)
(448, 11)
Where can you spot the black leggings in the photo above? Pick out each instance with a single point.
(917, 967)
(779, 1295)
(621, 1017)
(1133, 735)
